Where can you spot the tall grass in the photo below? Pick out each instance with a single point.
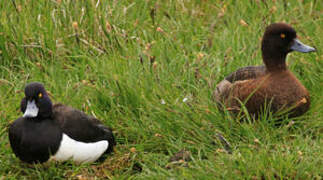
(131, 64)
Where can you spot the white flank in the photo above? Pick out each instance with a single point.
(79, 152)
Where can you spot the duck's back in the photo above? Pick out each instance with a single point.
(81, 127)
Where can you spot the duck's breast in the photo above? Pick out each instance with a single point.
(288, 92)
(286, 87)
(33, 141)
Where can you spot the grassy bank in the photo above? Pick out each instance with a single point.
(132, 63)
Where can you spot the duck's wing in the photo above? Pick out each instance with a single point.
(245, 73)
(250, 92)
(241, 76)
(81, 127)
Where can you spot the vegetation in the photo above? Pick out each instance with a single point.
(148, 68)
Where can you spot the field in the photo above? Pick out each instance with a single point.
(147, 68)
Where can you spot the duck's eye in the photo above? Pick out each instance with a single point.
(282, 35)
(40, 95)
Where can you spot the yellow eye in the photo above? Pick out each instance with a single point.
(282, 35)
(40, 95)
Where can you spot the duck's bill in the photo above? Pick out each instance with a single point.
(31, 109)
(300, 47)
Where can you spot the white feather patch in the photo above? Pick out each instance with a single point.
(79, 152)
(222, 87)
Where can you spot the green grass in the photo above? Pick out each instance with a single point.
(160, 51)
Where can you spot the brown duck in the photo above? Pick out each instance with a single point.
(272, 85)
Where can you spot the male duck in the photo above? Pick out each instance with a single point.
(56, 132)
(272, 83)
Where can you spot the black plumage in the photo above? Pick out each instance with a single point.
(36, 139)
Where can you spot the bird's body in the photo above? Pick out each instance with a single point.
(272, 86)
(59, 133)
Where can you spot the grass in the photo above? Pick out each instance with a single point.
(131, 64)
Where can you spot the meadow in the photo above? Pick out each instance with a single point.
(147, 68)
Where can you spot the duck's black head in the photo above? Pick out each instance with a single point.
(36, 103)
(279, 39)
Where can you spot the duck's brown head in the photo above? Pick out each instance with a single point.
(279, 39)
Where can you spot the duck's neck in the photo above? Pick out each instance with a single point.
(274, 62)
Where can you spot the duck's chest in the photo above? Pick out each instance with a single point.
(284, 84)
(286, 89)
(39, 139)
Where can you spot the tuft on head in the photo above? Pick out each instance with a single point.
(277, 40)
(36, 93)
(279, 28)
(280, 39)
(279, 34)
(33, 90)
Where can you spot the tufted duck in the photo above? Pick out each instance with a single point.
(273, 83)
(56, 132)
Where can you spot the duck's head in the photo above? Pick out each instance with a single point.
(280, 39)
(36, 102)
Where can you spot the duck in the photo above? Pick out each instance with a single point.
(271, 85)
(56, 132)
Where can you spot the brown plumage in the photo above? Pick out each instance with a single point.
(272, 84)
